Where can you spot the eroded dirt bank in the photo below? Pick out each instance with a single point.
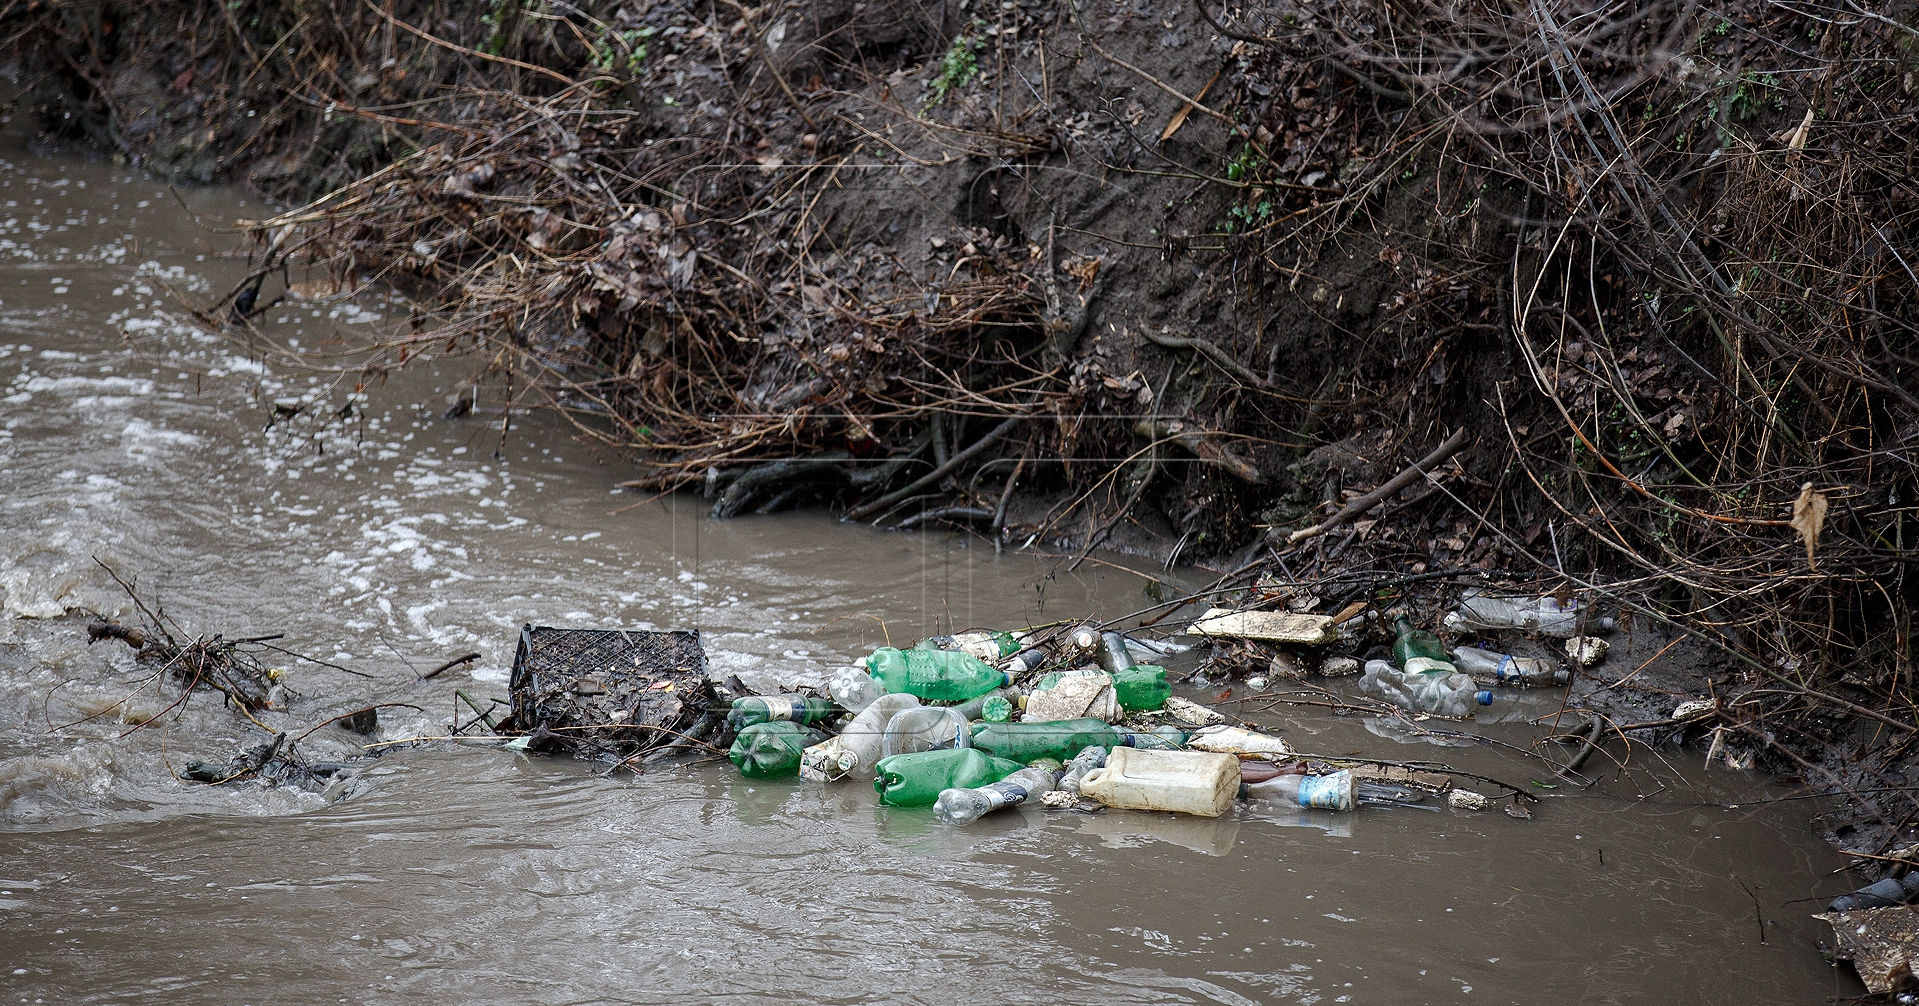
(1636, 279)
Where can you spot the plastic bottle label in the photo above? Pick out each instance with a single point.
(1002, 794)
(1504, 672)
(778, 707)
(1427, 665)
(1321, 792)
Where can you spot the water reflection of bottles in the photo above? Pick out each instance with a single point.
(1418, 651)
(933, 675)
(964, 806)
(1519, 672)
(772, 750)
(1211, 836)
(1316, 792)
(749, 710)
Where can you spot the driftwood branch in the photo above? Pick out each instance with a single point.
(1393, 485)
(1209, 350)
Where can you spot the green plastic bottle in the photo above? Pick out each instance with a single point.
(933, 675)
(772, 750)
(1418, 651)
(749, 710)
(1060, 739)
(1141, 687)
(916, 779)
(996, 709)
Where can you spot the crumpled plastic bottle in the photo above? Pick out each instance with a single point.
(964, 806)
(1453, 694)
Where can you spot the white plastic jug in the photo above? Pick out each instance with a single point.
(1187, 782)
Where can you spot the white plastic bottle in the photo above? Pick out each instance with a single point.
(964, 806)
(858, 746)
(1452, 694)
(1520, 672)
(1321, 792)
(1544, 615)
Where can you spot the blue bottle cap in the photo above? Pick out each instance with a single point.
(1483, 698)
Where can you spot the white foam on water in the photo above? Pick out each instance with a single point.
(139, 386)
(144, 441)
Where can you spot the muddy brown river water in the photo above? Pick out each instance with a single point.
(466, 874)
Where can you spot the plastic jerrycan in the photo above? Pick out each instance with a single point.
(1188, 782)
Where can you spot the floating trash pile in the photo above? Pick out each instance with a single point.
(973, 723)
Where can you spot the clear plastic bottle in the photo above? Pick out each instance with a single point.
(924, 728)
(1520, 672)
(1084, 641)
(1452, 694)
(1544, 615)
(1322, 792)
(1113, 656)
(1090, 757)
(1161, 738)
(964, 806)
(858, 746)
(853, 688)
(1023, 663)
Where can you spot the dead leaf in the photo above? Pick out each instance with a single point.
(1797, 141)
(1186, 108)
(1350, 611)
(1809, 518)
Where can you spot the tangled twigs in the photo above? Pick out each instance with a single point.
(1389, 487)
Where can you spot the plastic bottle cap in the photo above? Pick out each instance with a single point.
(1483, 698)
